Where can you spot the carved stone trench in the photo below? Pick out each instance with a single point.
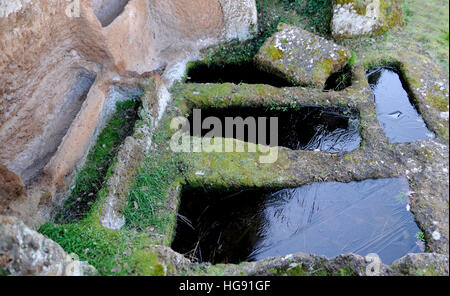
(376, 158)
(90, 64)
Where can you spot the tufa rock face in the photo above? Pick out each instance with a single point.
(59, 58)
(11, 188)
(240, 19)
(355, 18)
(301, 57)
(25, 252)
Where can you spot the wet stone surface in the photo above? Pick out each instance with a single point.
(323, 218)
(397, 116)
(328, 129)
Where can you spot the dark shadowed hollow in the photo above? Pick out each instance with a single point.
(323, 218)
(340, 80)
(234, 73)
(328, 129)
(397, 116)
(108, 10)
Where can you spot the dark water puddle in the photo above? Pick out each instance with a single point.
(397, 116)
(323, 218)
(234, 73)
(340, 80)
(328, 129)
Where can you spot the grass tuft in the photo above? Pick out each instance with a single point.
(153, 197)
(110, 252)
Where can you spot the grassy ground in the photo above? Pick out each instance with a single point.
(111, 252)
(427, 23)
(124, 252)
(425, 31)
(149, 206)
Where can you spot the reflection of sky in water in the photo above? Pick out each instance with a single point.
(337, 218)
(328, 219)
(397, 116)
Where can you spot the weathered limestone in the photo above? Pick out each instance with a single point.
(241, 19)
(430, 264)
(301, 57)
(11, 6)
(301, 264)
(352, 264)
(355, 18)
(25, 252)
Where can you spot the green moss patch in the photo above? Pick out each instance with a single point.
(110, 252)
(274, 53)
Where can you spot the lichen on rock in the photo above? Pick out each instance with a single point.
(355, 17)
(23, 251)
(300, 56)
(427, 264)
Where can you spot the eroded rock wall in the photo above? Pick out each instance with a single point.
(58, 60)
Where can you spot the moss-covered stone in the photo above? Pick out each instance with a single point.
(422, 265)
(193, 95)
(376, 158)
(273, 52)
(301, 57)
(146, 263)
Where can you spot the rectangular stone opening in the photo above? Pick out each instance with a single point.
(234, 73)
(119, 124)
(339, 80)
(396, 112)
(327, 219)
(328, 129)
